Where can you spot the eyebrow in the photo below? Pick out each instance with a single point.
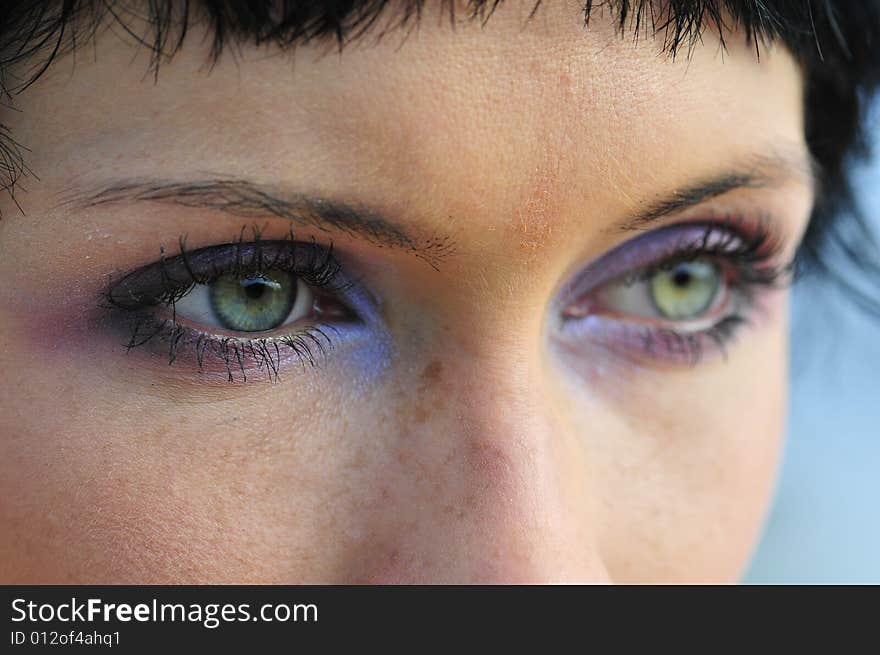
(247, 199)
(758, 172)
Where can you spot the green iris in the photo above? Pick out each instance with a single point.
(253, 304)
(685, 291)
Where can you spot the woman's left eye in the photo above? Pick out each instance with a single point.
(670, 294)
(684, 291)
(258, 303)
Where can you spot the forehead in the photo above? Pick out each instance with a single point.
(515, 112)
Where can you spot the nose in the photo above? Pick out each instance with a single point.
(489, 488)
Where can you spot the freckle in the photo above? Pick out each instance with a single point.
(420, 415)
(427, 402)
(432, 374)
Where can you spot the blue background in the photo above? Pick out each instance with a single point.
(824, 526)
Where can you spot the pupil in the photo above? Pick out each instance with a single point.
(681, 278)
(254, 288)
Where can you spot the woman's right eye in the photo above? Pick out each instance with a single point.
(247, 303)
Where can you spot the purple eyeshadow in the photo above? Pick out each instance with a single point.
(646, 250)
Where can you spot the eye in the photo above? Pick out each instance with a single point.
(240, 308)
(684, 291)
(673, 293)
(255, 303)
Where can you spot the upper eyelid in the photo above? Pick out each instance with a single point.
(152, 283)
(662, 243)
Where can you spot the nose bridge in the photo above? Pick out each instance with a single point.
(506, 501)
(523, 467)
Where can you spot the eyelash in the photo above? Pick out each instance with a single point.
(746, 253)
(751, 254)
(170, 279)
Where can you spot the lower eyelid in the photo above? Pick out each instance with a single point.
(652, 346)
(152, 338)
(232, 358)
(197, 355)
(641, 343)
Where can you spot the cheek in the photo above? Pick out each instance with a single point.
(688, 473)
(125, 485)
(290, 482)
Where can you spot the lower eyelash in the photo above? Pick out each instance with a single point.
(234, 355)
(656, 344)
(689, 347)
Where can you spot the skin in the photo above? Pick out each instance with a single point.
(471, 448)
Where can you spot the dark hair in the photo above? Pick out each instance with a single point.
(837, 45)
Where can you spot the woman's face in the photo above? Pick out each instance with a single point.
(522, 362)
